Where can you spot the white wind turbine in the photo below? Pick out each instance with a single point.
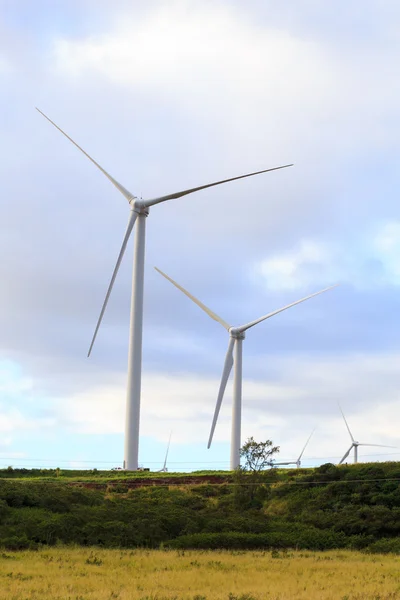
(234, 357)
(139, 210)
(355, 444)
(298, 461)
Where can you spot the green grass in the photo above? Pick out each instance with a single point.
(94, 475)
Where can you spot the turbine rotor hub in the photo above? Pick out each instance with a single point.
(236, 334)
(139, 206)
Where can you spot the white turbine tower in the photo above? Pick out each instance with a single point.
(164, 469)
(298, 461)
(355, 444)
(139, 211)
(234, 357)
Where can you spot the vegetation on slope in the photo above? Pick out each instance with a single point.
(355, 506)
(95, 475)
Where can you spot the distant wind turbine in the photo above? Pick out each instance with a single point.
(234, 357)
(298, 461)
(139, 211)
(355, 444)
(164, 469)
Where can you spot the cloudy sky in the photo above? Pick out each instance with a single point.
(173, 94)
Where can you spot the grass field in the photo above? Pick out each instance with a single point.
(93, 574)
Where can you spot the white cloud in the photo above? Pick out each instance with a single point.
(182, 402)
(233, 90)
(304, 394)
(225, 62)
(296, 269)
(202, 52)
(363, 262)
(282, 403)
(17, 402)
(13, 421)
(387, 249)
(12, 381)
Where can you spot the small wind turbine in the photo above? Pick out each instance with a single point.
(139, 211)
(355, 444)
(298, 461)
(234, 357)
(164, 469)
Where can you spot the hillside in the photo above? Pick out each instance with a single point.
(355, 506)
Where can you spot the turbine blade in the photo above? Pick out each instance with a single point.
(166, 454)
(377, 445)
(346, 455)
(131, 222)
(174, 195)
(305, 445)
(275, 312)
(196, 301)
(347, 425)
(119, 187)
(224, 380)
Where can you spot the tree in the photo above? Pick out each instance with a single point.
(252, 483)
(258, 455)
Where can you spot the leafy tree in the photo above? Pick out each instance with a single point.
(258, 455)
(251, 480)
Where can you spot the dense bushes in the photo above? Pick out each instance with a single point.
(310, 538)
(385, 545)
(330, 507)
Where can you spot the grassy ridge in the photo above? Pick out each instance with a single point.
(99, 476)
(355, 506)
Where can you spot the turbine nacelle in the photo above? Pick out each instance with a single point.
(236, 333)
(139, 206)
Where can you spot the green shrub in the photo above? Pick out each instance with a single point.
(385, 546)
(18, 543)
(308, 539)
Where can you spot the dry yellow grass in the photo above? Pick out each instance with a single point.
(93, 574)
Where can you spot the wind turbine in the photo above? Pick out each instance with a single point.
(234, 357)
(355, 444)
(164, 469)
(298, 461)
(139, 210)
